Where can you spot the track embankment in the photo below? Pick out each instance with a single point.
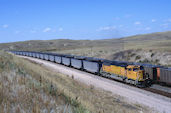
(130, 94)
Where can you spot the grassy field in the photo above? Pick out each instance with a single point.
(24, 90)
(27, 86)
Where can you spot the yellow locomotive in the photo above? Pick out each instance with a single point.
(132, 74)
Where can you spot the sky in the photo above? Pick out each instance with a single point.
(22, 20)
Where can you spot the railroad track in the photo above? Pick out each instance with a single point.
(163, 93)
(161, 90)
(157, 89)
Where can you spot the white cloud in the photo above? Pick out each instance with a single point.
(47, 29)
(5, 26)
(17, 32)
(137, 23)
(166, 25)
(106, 28)
(168, 20)
(121, 26)
(148, 28)
(153, 20)
(60, 29)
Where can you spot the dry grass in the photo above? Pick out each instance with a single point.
(158, 41)
(95, 100)
(23, 91)
(100, 52)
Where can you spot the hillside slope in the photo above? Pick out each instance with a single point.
(159, 40)
(153, 48)
(155, 41)
(60, 44)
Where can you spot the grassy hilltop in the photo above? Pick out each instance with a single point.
(151, 48)
(159, 40)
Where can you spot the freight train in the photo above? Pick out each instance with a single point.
(138, 74)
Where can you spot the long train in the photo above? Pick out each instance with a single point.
(138, 74)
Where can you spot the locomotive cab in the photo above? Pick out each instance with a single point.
(135, 72)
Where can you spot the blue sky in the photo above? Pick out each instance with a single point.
(81, 19)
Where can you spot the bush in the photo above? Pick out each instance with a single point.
(137, 57)
(152, 54)
(133, 54)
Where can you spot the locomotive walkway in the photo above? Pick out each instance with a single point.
(131, 94)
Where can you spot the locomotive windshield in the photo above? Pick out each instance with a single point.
(135, 69)
(141, 68)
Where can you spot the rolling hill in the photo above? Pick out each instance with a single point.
(159, 40)
(158, 44)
